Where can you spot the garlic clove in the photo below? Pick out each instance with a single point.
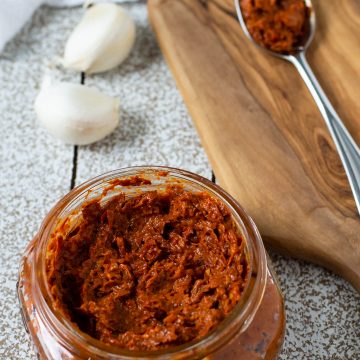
(102, 40)
(75, 113)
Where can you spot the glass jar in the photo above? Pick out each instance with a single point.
(253, 330)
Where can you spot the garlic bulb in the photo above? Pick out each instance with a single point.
(102, 40)
(76, 114)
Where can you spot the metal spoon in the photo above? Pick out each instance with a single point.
(347, 148)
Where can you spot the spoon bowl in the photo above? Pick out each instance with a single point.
(311, 27)
(347, 149)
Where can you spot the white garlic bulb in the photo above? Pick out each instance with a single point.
(75, 113)
(102, 40)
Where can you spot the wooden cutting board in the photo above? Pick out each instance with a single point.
(261, 129)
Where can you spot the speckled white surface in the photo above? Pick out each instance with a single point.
(323, 311)
(154, 127)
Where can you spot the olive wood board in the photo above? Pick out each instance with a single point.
(265, 138)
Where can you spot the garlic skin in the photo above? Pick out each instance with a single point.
(76, 114)
(102, 40)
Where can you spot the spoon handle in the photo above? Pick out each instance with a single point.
(348, 150)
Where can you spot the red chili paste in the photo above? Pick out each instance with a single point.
(278, 25)
(151, 271)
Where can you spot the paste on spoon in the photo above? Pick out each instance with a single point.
(278, 25)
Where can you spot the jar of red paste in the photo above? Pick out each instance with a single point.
(253, 330)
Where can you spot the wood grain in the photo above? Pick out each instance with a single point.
(261, 129)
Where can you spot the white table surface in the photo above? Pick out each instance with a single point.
(323, 310)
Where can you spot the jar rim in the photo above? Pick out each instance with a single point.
(238, 319)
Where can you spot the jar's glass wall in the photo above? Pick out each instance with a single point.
(236, 336)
